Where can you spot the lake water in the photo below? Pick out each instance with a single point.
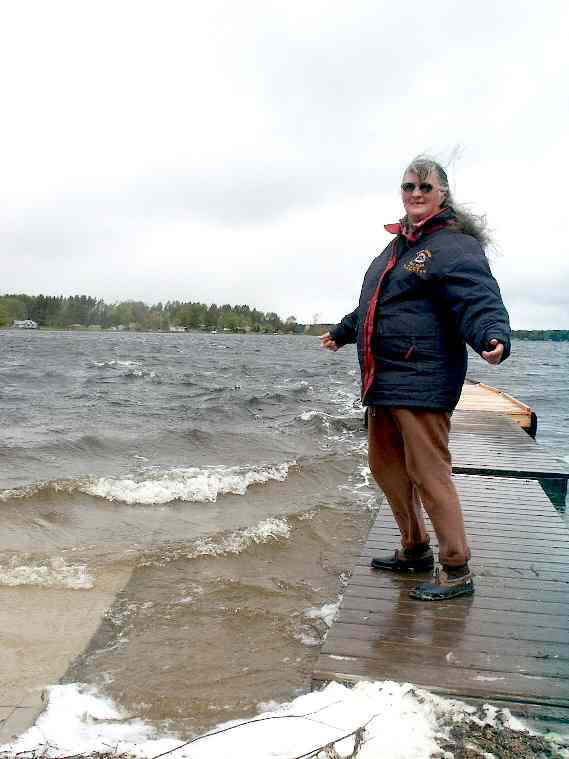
(228, 473)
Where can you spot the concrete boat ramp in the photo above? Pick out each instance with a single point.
(43, 630)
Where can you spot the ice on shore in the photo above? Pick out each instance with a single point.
(400, 721)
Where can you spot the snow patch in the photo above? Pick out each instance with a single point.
(401, 722)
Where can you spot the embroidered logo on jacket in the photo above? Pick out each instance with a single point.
(417, 265)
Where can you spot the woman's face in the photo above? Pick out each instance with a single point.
(420, 203)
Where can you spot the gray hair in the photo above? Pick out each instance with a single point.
(466, 221)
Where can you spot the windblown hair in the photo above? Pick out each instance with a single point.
(466, 221)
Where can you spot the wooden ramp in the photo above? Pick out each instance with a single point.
(508, 644)
(490, 437)
(483, 399)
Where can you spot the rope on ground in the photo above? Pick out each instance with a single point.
(331, 753)
(330, 749)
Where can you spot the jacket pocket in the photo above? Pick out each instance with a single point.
(396, 349)
(430, 350)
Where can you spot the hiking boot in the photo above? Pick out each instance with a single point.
(406, 561)
(445, 584)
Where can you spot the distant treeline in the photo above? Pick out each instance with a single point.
(77, 311)
(559, 335)
(85, 311)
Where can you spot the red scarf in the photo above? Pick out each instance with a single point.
(412, 232)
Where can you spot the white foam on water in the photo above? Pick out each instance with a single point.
(401, 722)
(325, 418)
(114, 362)
(192, 484)
(264, 532)
(326, 613)
(293, 384)
(362, 489)
(339, 427)
(38, 488)
(348, 403)
(328, 421)
(54, 574)
(322, 618)
(306, 516)
(306, 416)
(308, 639)
(367, 479)
(484, 679)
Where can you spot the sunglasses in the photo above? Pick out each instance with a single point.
(424, 187)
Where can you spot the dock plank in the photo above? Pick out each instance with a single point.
(550, 691)
(507, 643)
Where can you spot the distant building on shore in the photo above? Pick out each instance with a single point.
(24, 324)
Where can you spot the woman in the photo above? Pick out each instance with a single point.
(429, 293)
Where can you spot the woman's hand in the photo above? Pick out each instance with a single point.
(494, 356)
(327, 342)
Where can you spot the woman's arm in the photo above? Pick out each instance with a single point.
(344, 332)
(469, 289)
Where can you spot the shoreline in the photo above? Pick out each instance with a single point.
(314, 331)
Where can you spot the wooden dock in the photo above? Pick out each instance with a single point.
(509, 643)
(492, 434)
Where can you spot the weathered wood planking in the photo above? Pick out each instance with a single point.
(488, 437)
(478, 397)
(508, 644)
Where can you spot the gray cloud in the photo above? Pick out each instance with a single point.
(252, 152)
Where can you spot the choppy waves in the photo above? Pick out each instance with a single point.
(159, 486)
(273, 529)
(264, 532)
(191, 484)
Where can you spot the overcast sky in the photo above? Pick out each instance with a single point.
(250, 152)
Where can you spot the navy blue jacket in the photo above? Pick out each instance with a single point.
(420, 303)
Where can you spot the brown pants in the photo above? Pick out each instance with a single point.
(410, 461)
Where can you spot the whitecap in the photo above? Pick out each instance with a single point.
(55, 573)
(110, 363)
(306, 416)
(263, 532)
(192, 484)
(39, 489)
